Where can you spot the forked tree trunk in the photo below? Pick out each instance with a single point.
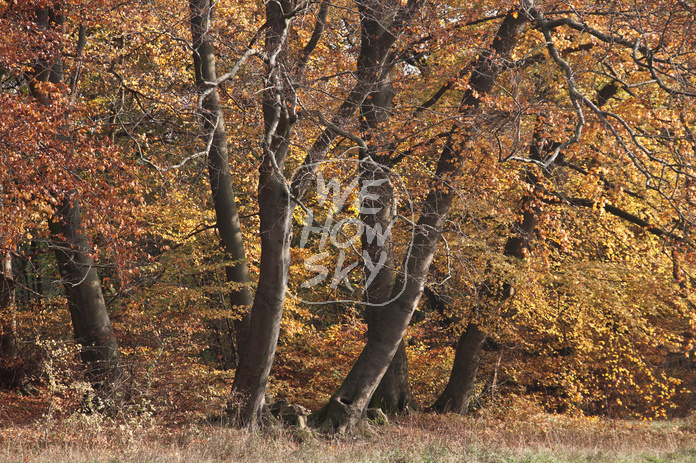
(346, 407)
(215, 135)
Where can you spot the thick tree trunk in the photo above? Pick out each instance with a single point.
(218, 166)
(346, 407)
(393, 395)
(247, 403)
(90, 318)
(91, 324)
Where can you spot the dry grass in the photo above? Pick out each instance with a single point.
(526, 436)
(164, 421)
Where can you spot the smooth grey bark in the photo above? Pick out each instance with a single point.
(214, 133)
(90, 319)
(467, 358)
(277, 201)
(346, 407)
(393, 393)
(247, 403)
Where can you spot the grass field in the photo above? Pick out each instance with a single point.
(524, 436)
(168, 422)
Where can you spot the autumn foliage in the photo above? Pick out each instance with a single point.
(583, 151)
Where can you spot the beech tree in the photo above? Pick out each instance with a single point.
(548, 152)
(487, 150)
(215, 136)
(285, 111)
(277, 195)
(52, 196)
(492, 295)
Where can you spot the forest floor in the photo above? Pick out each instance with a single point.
(50, 427)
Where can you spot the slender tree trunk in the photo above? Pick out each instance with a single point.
(248, 391)
(8, 326)
(460, 387)
(13, 369)
(467, 359)
(346, 407)
(218, 166)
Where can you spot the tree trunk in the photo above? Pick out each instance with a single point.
(218, 166)
(467, 358)
(247, 404)
(8, 326)
(249, 387)
(460, 387)
(90, 318)
(13, 368)
(393, 395)
(346, 407)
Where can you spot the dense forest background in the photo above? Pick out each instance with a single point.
(514, 187)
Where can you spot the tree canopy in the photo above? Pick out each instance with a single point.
(498, 194)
